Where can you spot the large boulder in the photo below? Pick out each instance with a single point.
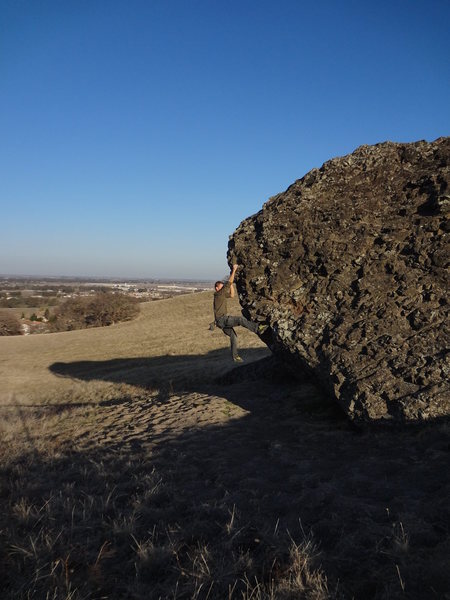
(349, 268)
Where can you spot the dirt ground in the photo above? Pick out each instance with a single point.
(138, 462)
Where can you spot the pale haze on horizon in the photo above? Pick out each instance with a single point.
(136, 136)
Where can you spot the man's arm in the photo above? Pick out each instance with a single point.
(231, 280)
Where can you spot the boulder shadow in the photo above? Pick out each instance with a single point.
(295, 455)
(168, 374)
(290, 469)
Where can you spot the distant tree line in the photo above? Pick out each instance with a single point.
(100, 310)
(26, 301)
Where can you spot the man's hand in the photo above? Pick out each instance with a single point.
(233, 273)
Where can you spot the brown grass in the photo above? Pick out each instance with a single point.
(136, 463)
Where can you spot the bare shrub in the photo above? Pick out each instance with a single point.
(9, 324)
(94, 311)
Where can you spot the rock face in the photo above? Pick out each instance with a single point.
(349, 268)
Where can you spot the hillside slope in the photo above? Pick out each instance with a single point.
(173, 327)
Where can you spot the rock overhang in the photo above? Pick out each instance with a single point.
(349, 268)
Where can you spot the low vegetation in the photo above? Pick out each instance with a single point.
(122, 526)
(9, 323)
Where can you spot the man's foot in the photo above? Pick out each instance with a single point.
(262, 329)
(237, 359)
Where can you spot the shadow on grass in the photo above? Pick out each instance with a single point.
(166, 374)
(225, 510)
(162, 374)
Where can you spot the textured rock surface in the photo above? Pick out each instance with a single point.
(349, 268)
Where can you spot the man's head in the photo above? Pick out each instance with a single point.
(218, 285)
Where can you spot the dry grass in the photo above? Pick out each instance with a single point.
(137, 464)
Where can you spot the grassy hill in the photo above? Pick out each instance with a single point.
(136, 462)
(173, 327)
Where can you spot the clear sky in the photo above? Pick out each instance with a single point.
(135, 135)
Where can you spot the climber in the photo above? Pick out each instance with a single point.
(227, 322)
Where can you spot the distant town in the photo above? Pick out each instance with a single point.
(12, 287)
(34, 300)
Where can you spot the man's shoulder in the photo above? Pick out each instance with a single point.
(223, 290)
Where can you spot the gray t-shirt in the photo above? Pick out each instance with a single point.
(220, 301)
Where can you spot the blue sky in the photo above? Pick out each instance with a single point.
(136, 135)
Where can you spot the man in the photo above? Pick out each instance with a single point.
(226, 322)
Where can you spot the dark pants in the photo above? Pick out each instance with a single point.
(227, 323)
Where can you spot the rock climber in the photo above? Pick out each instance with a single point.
(227, 322)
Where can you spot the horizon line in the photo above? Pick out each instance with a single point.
(104, 277)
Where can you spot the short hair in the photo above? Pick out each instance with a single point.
(218, 283)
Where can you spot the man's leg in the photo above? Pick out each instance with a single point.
(232, 321)
(230, 332)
